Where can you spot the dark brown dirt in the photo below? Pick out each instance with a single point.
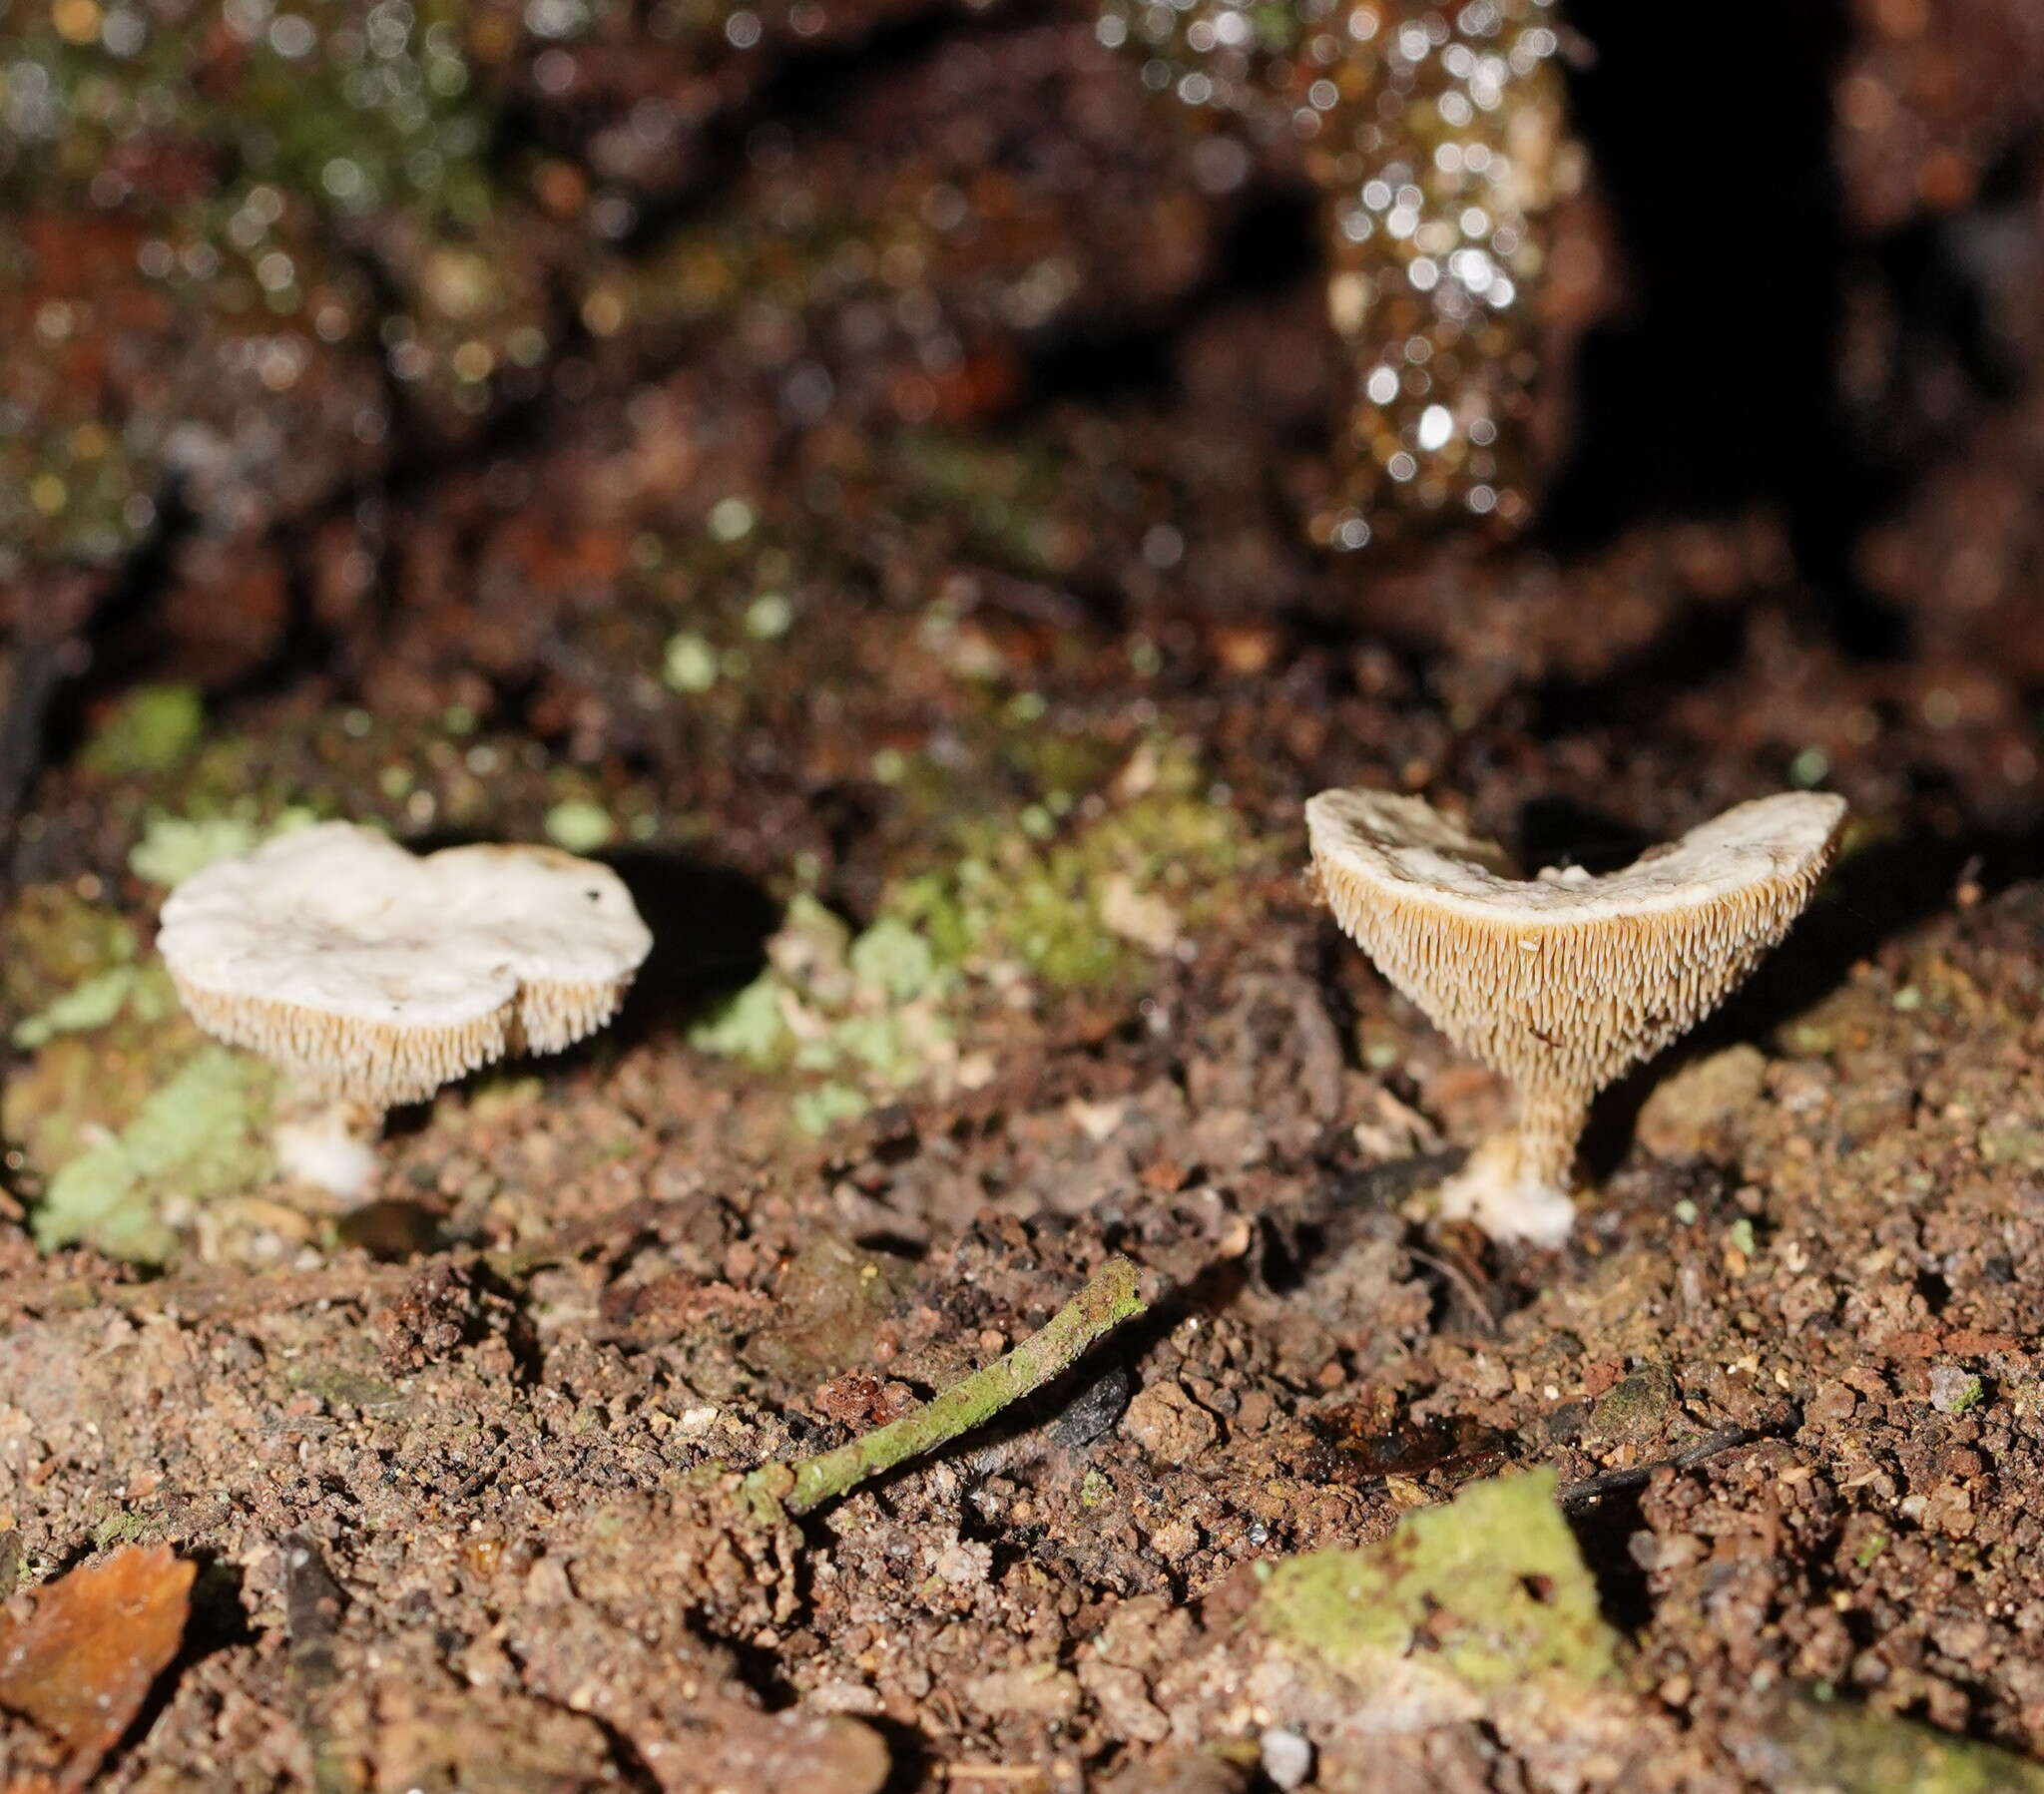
(958, 577)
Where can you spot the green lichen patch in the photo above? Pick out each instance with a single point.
(1833, 1749)
(1488, 1591)
(126, 1115)
(98, 1052)
(200, 1136)
(142, 993)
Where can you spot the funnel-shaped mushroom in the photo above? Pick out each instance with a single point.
(1563, 981)
(375, 977)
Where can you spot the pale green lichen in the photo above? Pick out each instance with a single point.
(1487, 1590)
(126, 1115)
(203, 1135)
(57, 939)
(747, 1026)
(143, 991)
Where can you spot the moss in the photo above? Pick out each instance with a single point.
(821, 1109)
(892, 957)
(91, 1004)
(866, 1015)
(1054, 907)
(153, 730)
(1067, 893)
(90, 1075)
(1488, 1591)
(747, 1026)
(200, 1136)
(121, 1526)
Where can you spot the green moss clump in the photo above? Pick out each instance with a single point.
(1491, 1585)
(57, 939)
(1065, 893)
(126, 1113)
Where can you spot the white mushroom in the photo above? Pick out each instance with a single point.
(373, 977)
(1563, 981)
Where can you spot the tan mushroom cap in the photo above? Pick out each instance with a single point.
(1563, 981)
(378, 976)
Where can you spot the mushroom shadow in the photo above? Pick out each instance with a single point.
(1715, 386)
(1558, 831)
(709, 926)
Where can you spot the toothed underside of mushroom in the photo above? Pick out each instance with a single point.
(1563, 982)
(383, 1064)
(1562, 986)
(378, 976)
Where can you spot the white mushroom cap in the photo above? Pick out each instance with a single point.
(1563, 981)
(380, 975)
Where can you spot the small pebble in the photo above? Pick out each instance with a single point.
(1287, 1756)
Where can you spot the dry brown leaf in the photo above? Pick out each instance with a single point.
(79, 1664)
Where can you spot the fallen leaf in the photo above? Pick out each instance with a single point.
(79, 1662)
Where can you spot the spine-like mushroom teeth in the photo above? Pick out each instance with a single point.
(375, 977)
(1563, 981)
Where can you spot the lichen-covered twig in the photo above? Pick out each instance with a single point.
(1112, 1296)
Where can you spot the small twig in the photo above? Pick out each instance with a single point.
(1611, 1482)
(1464, 1284)
(313, 1602)
(1114, 1295)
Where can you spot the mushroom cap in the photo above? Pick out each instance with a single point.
(1565, 980)
(378, 975)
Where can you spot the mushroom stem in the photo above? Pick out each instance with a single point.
(1516, 1185)
(326, 1142)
